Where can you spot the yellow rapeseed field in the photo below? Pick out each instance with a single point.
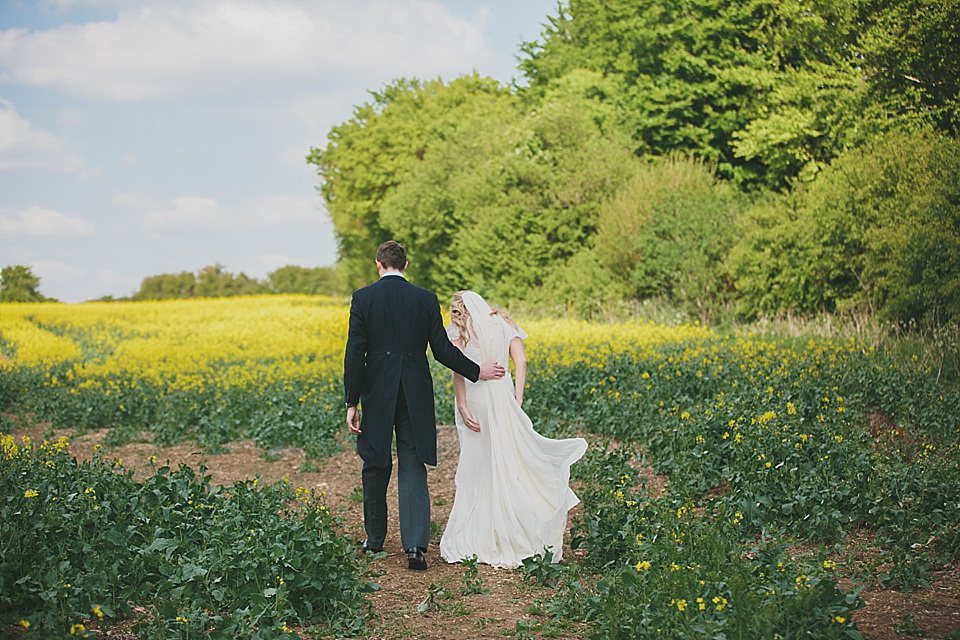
(240, 342)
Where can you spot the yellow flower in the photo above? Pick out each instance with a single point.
(98, 612)
(643, 564)
(25, 624)
(77, 628)
(30, 493)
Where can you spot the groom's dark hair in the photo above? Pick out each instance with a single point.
(392, 255)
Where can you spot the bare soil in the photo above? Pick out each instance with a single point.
(432, 604)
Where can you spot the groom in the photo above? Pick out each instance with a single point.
(385, 370)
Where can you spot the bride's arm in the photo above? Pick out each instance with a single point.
(519, 357)
(460, 392)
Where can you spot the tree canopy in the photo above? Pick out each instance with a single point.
(19, 284)
(699, 151)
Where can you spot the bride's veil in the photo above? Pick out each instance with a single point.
(485, 325)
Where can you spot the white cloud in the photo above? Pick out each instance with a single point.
(39, 221)
(267, 263)
(54, 272)
(288, 209)
(194, 211)
(130, 200)
(24, 147)
(116, 281)
(190, 211)
(157, 49)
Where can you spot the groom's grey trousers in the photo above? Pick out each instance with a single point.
(413, 498)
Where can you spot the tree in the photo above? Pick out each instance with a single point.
(498, 213)
(763, 89)
(911, 51)
(667, 233)
(309, 280)
(209, 282)
(167, 286)
(878, 230)
(19, 284)
(369, 156)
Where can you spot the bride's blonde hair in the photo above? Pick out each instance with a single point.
(460, 317)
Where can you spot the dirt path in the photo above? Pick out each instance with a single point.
(449, 612)
(933, 612)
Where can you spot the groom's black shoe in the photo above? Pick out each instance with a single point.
(369, 548)
(415, 559)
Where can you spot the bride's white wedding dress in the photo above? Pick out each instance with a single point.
(512, 484)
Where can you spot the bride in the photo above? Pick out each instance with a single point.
(512, 493)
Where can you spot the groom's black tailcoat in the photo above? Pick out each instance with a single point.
(391, 323)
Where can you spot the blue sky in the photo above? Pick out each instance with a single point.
(140, 137)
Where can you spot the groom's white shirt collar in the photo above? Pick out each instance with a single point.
(393, 272)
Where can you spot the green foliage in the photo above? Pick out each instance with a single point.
(688, 575)
(315, 280)
(879, 229)
(472, 581)
(369, 156)
(19, 284)
(719, 79)
(765, 442)
(667, 233)
(499, 213)
(529, 194)
(542, 570)
(911, 49)
(768, 442)
(212, 281)
(84, 542)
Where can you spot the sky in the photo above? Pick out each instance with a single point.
(140, 137)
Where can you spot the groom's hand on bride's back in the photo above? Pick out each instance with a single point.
(492, 371)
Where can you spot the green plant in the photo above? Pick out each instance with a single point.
(472, 581)
(542, 570)
(236, 561)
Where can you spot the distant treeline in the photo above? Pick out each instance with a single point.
(18, 283)
(215, 281)
(721, 156)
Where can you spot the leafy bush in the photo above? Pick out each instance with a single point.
(85, 543)
(667, 233)
(878, 229)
